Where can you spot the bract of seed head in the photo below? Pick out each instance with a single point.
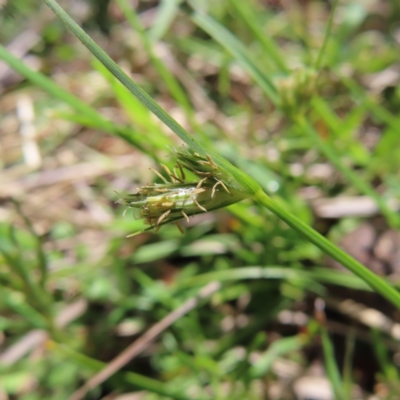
(205, 166)
(163, 203)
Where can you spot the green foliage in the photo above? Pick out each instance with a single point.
(293, 87)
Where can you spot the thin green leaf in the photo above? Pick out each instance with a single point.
(246, 14)
(135, 89)
(331, 365)
(363, 186)
(376, 282)
(227, 40)
(382, 356)
(166, 11)
(348, 364)
(277, 349)
(53, 89)
(318, 63)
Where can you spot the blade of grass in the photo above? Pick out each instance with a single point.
(392, 217)
(331, 365)
(373, 106)
(40, 254)
(322, 275)
(166, 12)
(37, 296)
(377, 283)
(279, 348)
(382, 356)
(53, 89)
(246, 14)
(168, 78)
(348, 363)
(228, 41)
(140, 116)
(18, 304)
(86, 114)
(135, 89)
(318, 63)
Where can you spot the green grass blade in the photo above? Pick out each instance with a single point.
(348, 364)
(246, 14)
(18, 304)
(322, 275)
(227, 40)
(279, 348)
(53, 89)
(40, 253)
(373, 106)
(85, 115)
(382, 356)
(168, 78)
(321, 53)
(332, 369)
(376, 283)
(392, 217)
(139, 115)
(166, 13)
(135, 89)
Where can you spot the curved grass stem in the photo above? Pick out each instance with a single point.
(235, 176)
(121, 76)
(376, 283)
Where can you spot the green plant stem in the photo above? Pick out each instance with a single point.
(40, 254)
(167, 11)
(45, 83)
(246, 14)
(391, 216)
(318, 63)
(331, 365)
(166, 75)
(238, 50)
(86, 113)
(37, 296)
(319, 274)
(348, 363)
(135, 89)
(376, 283)
(372, 104)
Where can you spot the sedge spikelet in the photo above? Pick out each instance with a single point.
(160, 204)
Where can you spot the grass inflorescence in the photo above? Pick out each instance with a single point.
(179, 199)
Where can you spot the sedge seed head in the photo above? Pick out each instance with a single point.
(163, 203)
(214, 188)
(207, 167)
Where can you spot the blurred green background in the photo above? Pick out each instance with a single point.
(285, 322)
